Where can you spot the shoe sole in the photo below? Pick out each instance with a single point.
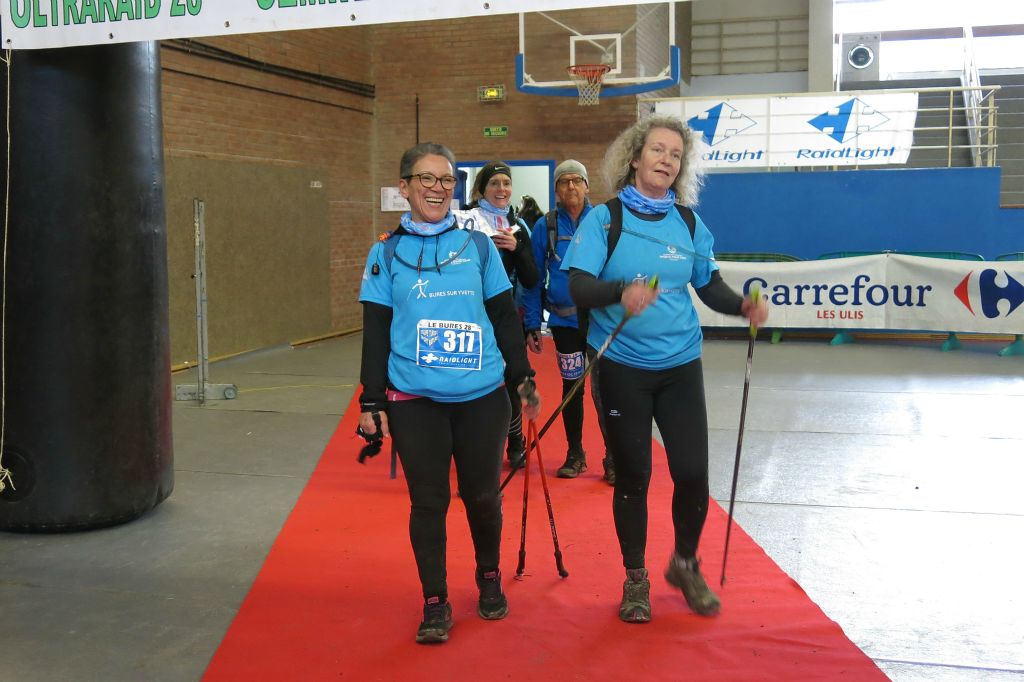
(635, 617)
(564, 473)
(497, 615)
(432, 637)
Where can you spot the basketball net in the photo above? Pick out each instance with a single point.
(588, 79)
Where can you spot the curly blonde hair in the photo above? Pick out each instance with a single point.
(618, 170)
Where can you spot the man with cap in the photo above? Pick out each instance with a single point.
(551, 237)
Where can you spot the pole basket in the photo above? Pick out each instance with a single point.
(588, 79)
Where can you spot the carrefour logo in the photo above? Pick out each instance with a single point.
(720, 122)
(989, 293)
(836, 122)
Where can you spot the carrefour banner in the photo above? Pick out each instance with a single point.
(885, 292)
(761, 132)
(30, 24)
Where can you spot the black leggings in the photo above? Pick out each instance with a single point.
(568, 343)
(674, 398)
(428, 435)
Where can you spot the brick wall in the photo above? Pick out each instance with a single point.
(443, 62)
(225, 111)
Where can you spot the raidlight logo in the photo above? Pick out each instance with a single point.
(720, 122)
(989, 293)
(836, 123)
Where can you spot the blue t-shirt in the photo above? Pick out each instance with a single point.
(667, 334)
(442, 342)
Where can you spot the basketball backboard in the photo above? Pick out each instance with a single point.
(636, 41)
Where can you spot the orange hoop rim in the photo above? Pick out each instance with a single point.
(591, 72)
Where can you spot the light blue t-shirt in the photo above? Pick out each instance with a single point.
(442, 342)
(667, 334)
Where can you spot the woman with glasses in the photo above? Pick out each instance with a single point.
(492, 213)
(652, 368)
(441, 338)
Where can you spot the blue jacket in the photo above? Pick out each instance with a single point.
(552, 291)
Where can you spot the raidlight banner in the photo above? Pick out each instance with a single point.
(760, 132)
(883, 292)
(28, 24)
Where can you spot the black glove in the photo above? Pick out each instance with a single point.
(374, 441)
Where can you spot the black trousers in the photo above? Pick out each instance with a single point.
(572, 347)
(674, 399)
(428, 435)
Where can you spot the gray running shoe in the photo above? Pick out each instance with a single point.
(636, 597)
(685, 574)
(575, 464)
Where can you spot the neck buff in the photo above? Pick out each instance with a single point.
(632, 198)
(426, 229)
(491, 209)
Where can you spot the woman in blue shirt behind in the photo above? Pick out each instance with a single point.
(441, 337)
(652, 370)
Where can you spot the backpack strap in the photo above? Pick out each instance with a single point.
(551, 220)
(390, 240)
(615, 226)
(686, 213)
(483, 243)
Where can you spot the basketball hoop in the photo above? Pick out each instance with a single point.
(588, 79)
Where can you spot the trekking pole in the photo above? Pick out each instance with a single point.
(755, 295)
(526, 496)
(576, 386)
(547, 500)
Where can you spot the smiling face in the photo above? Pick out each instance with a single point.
(659, 162)
(499, 190)
(427, 204)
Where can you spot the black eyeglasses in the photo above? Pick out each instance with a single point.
(564, 182)
(428, 180)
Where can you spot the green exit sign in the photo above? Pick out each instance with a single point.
(496, 131)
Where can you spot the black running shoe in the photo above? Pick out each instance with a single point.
(575, 464)
(685, 574)
(493, 605)
(515, 452)
(636, 597)
(437, 621)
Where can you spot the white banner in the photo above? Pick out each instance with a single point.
(28, 24)
(883, 292)
(841, 130)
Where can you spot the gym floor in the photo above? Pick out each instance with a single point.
(884, 477)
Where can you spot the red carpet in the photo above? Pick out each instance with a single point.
(338, 597)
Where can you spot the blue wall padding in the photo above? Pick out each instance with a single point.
(808, 214)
